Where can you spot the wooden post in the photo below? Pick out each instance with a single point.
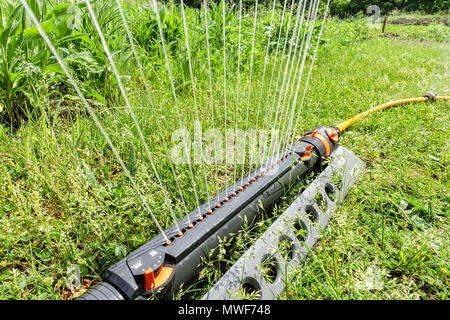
(384, 23)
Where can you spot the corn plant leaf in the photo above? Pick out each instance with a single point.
(13, 77)
(54, 68)
(15, 28)
(47, 26)
(4, 36)
(60, 10)
(36, 8)
(73, 37)
(1, 20)
(94, 94)
(61, 28)
(8, 31)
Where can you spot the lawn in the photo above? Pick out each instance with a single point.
(390, 239)
(64, 200)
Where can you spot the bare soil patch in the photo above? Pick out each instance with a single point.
(418, 21)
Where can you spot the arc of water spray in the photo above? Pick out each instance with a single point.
(297, 74)
(302, 53)
(290, 84)
(225, 92)
(249, 89)
(275, 92)
(133, 48)
(275, 59)
(211, 91)
(166, 58)
(278, 81)
(310, 71)
(91, 113)
(238, 91)
(276, 149)
(289, 62)
(309, 27)
(266, 59)
(191, 72)
(127, 103)
(147, 89)
(287, 79)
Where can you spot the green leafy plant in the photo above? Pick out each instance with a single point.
(28, 70)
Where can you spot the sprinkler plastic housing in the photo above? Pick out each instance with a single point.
(159, 269)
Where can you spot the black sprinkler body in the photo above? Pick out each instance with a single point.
(159, 269)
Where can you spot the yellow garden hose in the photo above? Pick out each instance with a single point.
(429, 96)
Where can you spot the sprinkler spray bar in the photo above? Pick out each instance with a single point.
(300, 226)
(160, 267)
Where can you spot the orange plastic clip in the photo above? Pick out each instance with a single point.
(149, 276)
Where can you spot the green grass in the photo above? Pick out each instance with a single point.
(434, 31)
(64, 200)
(416, 15)
(390, 239)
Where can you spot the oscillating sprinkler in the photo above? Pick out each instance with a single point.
(159, 267)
